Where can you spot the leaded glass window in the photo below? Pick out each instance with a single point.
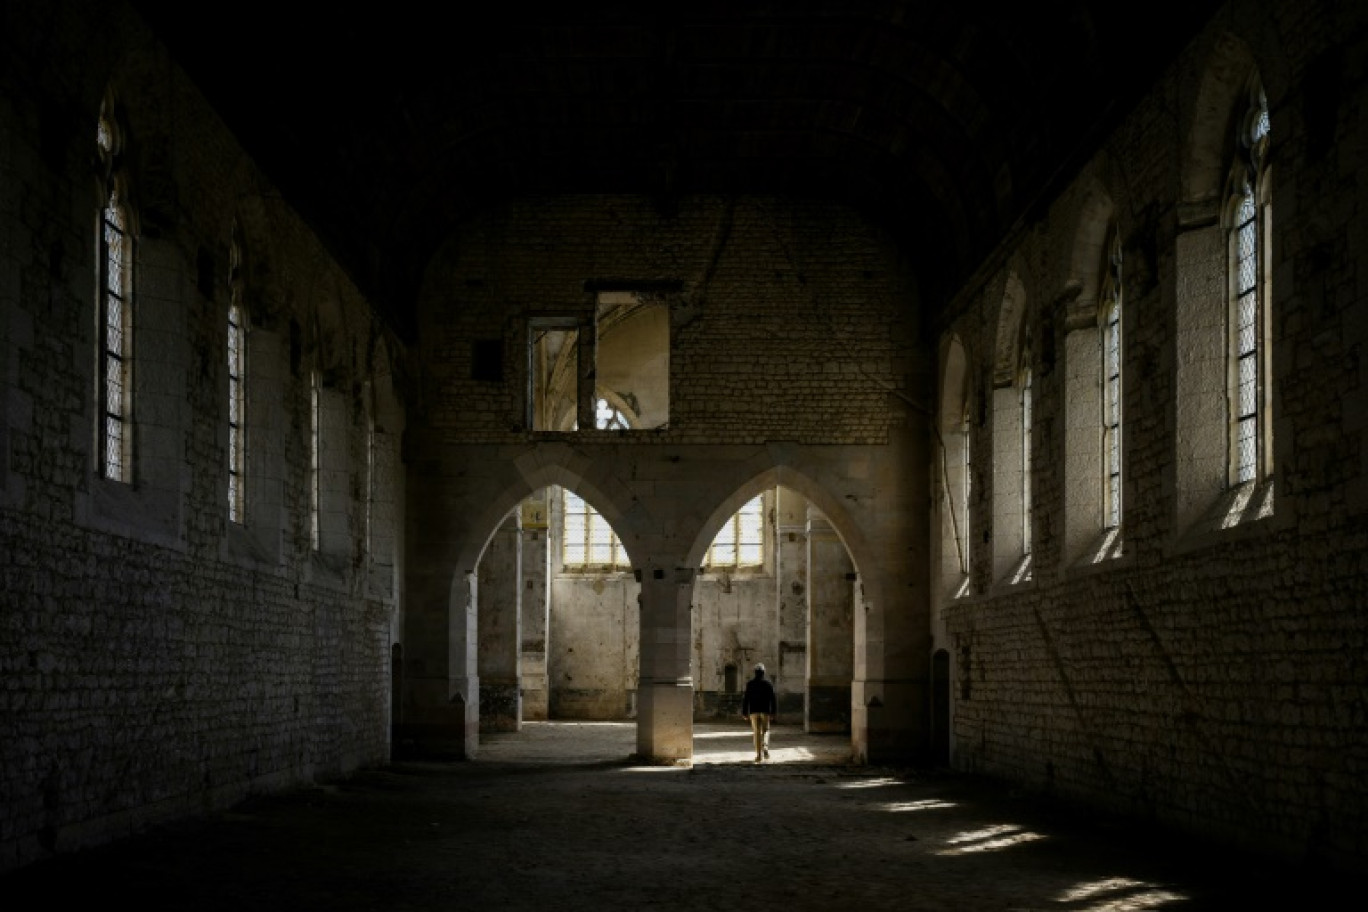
(237, 427)
(1111, 392)
(588, 540)
(740, 543)
(1249, 297)
(116, 314)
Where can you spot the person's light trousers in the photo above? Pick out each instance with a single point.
(760, 726)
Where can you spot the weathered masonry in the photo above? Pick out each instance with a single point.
(1048, 463)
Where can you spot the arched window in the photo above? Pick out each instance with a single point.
(1249, 217)
(740, 543)
(1109, 321)
(237, 398)
(115, 433)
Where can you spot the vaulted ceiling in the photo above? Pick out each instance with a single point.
(946, 122)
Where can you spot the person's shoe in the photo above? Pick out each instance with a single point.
(767, 753)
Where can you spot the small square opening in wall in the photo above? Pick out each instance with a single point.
(487, 360)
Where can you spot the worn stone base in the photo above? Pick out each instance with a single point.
(500, 706)
(665, 723)
(828, 709)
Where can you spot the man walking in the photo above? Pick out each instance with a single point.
(760, 707)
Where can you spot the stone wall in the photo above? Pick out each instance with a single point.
(1205, 669)
(157, 659)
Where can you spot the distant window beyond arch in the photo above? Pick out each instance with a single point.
(740, 543)
(588, 542)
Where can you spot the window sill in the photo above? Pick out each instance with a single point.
(1106, 551)
(1239, 511)
(1021, 577)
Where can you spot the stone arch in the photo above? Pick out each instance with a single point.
(1096, 216)
(259, 230)
(569, 468)
(1210, 137)
(782, 476)
(1011, 330)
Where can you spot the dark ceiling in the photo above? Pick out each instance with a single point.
(947, 123)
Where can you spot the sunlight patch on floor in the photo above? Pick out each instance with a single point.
(929, 804)
(1120, 894)
(868, 783)
(1003, 836)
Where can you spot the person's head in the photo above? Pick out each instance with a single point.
(759, 669)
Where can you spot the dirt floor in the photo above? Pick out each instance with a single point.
(558, 818)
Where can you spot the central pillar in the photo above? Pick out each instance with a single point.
(500, 620)
(665, 686)
(831, 591)
(440, 706)
(536, 608)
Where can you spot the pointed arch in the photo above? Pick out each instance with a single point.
(1093, 362)
(1223, 463)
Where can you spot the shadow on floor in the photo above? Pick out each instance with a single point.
(558, 817)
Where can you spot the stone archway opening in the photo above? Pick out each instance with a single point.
(557, 617)
(791, 607)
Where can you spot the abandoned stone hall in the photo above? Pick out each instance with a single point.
(378, 384)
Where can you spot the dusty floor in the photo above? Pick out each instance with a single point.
(557, 818)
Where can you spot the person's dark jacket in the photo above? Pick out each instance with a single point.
(759, 697)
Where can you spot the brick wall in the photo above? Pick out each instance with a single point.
(806, 295)
(157, 661)
(1209, 677)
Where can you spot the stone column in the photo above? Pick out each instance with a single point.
(831, 640)
(791, 571)
(665, 686)
(440, 706)
(890, 693)
(500, 575)
(536, 605)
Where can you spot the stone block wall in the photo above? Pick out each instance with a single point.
(156, 659)
(808, 293)
(1206, 670)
